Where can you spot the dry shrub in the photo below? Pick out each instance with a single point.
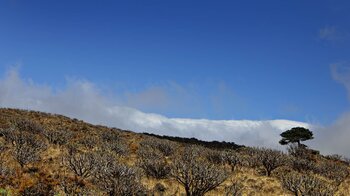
(271, 159)
(153, 163)
(215, 156)
(156, 168)
(118, 147)
(82, 164)
(267, 158)
(303, 165)
(110, 136)
(307, 184)
(38, 189)
(27, 147)
(57, 136)
(40, 184)
(73, 186)
(251, 157)
(233, 159)
(24, 135)
(166, 147)
(5, 171)
(334, 171)
(112, 142)
(27, 126)
(235, 189)
(196, 175)
(88, 141)
(117, 179)
(302, 152)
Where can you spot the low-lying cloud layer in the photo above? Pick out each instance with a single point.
(83, 100)
(336, 137)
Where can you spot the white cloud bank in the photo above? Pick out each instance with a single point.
(336, 137)
(82, 100)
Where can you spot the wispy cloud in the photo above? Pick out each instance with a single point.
(168, 97)
(328, 33)
(332, 34)
(341, 73)
(83, 100)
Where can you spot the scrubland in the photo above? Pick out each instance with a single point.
(48, 154)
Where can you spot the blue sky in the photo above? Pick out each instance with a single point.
(190, 59)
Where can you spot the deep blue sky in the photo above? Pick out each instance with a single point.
(272, 57)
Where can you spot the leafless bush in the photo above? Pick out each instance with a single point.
(145, 152)
(303, 165)
(117, 179)
(119, 147)
(251, 157)
(334, 171)
(233, 159)
(153, 163)
(110, 136)
(196, 175)
(112, 142)
(235, 189)
(166, 147)
(155, 168)
(5, 171)
(38, 189)
(301, 151)
(292, 182)
(27, 147)
(307, 184)
(88, 142)
(335, 157)
(82, 164)
(8, 134)
(215, 156)
(73, 186)
(57, 136)
(27, 126)
(314, 186)
(271, 159)
(72, 148)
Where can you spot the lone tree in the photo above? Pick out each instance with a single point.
(296, 135)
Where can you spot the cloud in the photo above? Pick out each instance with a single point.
(149, 98)
(332, 34)
(341, 73)
(165, 98)
(328, 33)
(82, 99)
(170, 98)
(334, 139)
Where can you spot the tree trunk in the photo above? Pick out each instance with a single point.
(268, 172)
(187, 189)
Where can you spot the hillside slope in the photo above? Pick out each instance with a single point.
(47, 154)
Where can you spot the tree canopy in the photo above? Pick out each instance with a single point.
(296, 135)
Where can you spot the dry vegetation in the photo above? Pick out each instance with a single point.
(45, 154)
